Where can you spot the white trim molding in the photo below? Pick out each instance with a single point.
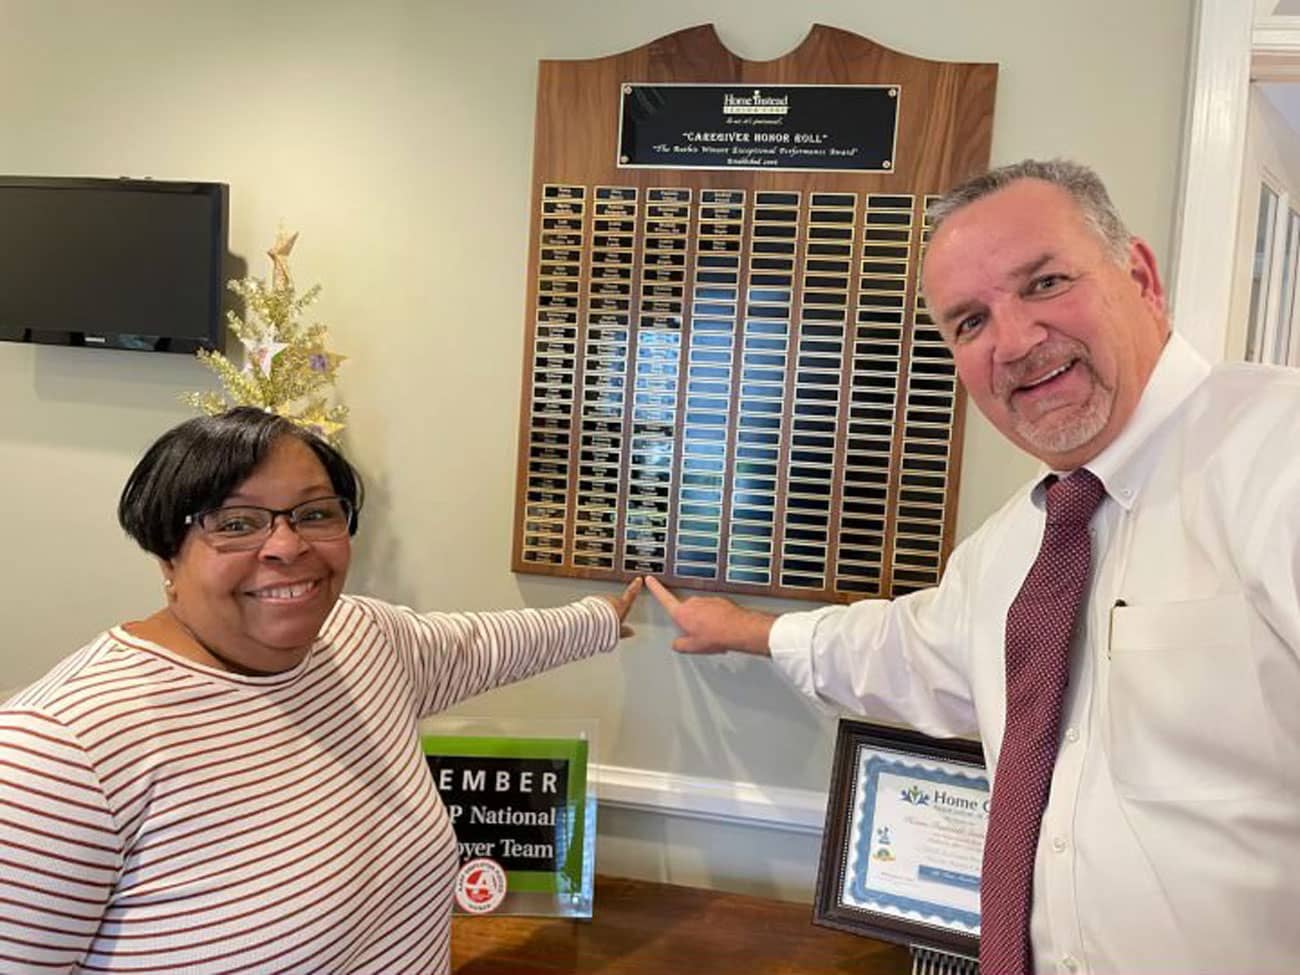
(717, 800)
(1276, 35)
(1204, 238)
(1275, 49)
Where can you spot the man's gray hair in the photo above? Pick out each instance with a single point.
(1083, 185)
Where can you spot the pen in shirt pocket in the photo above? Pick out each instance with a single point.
(1110, 635)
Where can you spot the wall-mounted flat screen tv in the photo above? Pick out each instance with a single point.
(112, 263)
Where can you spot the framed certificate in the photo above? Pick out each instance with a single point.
(904, 839)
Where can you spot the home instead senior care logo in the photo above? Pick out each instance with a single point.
(941, 799)
(755, 104)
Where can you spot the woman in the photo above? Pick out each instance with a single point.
(236, 783)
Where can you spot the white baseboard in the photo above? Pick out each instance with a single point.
(719, 800)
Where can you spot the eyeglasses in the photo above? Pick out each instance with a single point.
(244, 526)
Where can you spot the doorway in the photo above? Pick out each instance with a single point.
(1264, 322)
(1237, 263)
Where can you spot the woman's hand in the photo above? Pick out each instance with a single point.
(623, 603)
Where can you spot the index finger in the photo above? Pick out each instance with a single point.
(665, 599)
(628, 596)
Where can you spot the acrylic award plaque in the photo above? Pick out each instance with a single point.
(731, 380)
(523, 807)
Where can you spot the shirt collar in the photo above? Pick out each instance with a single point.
(1124, 464)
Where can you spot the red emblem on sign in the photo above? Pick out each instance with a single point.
(480, 886)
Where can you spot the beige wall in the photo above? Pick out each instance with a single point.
(397, 138)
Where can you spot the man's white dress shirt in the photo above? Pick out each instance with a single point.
(1171, 839)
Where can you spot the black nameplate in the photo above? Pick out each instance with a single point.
(847, 128)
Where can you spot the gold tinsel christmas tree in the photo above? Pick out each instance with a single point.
(287, 367)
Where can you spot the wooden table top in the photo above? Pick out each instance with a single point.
(643, 928)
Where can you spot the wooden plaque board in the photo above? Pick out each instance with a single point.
(730, 380)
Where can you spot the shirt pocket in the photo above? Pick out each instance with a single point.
(1186, 716)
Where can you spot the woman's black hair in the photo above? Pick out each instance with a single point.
(195, 466)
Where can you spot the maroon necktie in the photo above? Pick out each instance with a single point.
(1039, 626)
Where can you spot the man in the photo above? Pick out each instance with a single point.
(1154, 783)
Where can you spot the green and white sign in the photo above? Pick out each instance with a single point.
(523, 803)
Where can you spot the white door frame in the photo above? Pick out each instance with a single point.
(1226, 38)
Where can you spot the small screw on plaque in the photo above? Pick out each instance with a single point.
(627, 89)
(893, 92)
(622, 159)
(886, 164)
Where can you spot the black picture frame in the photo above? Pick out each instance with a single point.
(828, 908)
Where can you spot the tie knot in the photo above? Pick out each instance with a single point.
(1074, 499)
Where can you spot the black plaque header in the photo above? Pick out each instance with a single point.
(845, 128)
